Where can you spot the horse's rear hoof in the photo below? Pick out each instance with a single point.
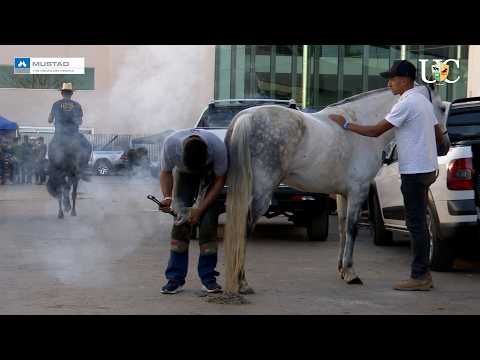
(246, 291)
(355, 281)
(74, 213)
(67, 207)
(60, 215)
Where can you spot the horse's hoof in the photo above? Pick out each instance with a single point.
(60, 216)
(355, 281)
(246, 291)
(74, 213)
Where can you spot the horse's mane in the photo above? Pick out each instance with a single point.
(364, 95)
(359, 96)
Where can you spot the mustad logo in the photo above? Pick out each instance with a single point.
(50, 63)
(440, 70)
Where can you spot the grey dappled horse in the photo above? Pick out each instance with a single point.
(271, 144)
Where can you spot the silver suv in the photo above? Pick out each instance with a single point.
(454, 198)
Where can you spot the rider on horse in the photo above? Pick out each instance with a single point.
(67, 115)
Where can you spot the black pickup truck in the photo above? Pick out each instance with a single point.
(310, 210)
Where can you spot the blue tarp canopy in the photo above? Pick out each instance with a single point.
(7, 125)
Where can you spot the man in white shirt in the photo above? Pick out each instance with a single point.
(417, 134)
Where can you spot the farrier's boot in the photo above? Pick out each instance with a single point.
(425, 283)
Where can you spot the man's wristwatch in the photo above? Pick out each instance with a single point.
(345, 124)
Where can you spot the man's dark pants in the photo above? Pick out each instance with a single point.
(415, 196)
(186, 189)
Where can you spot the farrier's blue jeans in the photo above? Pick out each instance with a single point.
(187, 186)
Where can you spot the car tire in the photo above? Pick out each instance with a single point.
(317, 226)
(441, 254)
(103, 168)
(381, 236)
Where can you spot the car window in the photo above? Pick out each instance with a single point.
(463, 125)
(221, 116)
(464, 118)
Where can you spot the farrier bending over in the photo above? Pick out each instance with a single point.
(200, 161)
(417, 135)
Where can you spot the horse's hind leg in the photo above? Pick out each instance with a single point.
(342, 217)
(353, 213)
(66, 197)
(74, 197)
(260, 203)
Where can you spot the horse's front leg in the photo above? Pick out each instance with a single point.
(355, 202)
(74, 197)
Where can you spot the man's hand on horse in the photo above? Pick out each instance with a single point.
(195, 215)
(339, 119)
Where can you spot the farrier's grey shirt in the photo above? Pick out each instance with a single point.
(172, 152)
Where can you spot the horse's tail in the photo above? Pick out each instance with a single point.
(239, 195)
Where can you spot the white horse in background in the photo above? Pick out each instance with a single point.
(271, 144)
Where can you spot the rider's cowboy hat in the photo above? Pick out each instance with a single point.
(67, 87)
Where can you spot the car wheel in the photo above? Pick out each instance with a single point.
(441, 255)
(103, 168)
(317, 226)
(381, 236)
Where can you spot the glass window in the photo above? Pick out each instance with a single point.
(352, 70)
(283, 72)
(327, 75)
(262, 71)
(224, 65)
(395, 53)
(241, 71)
(378, 61)
(10, 80)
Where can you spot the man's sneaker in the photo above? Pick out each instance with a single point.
(212, 287)
(424, 283)
(172, 287)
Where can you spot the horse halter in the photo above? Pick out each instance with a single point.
(430, 98)
(429, 93)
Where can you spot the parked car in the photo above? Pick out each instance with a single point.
(454, 198)
(108, 159)
(310, 210)
(155, 139)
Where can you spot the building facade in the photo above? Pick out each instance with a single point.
(147, 89)
(318, 75)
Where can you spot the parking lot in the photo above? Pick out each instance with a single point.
(111, 259)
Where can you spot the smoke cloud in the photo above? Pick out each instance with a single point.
(154, 88)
